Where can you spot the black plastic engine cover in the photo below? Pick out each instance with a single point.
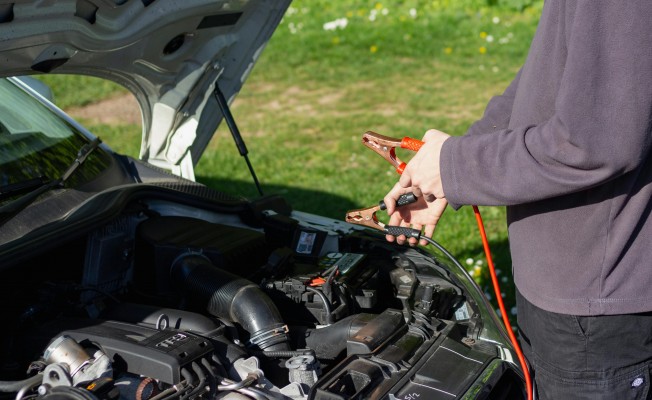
(145, 351)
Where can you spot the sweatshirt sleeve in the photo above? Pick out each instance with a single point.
(496, 114)
(597, 129)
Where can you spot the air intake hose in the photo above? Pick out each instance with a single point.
(231, 297)
(330, 342)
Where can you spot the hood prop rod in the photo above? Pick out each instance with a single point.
(235, 132)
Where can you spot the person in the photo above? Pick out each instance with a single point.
(566, 148)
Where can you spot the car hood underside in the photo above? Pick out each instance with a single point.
(169, 54)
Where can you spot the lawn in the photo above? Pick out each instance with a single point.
(334, 70)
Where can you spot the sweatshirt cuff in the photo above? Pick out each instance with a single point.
(447, 171)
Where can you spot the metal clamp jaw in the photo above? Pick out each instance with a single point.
(367, 217)
(386, 146)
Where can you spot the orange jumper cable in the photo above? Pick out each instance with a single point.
(386, 147)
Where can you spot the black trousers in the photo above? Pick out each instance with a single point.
(586, 357)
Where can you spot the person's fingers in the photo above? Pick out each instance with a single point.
(405, 180)
(413, 241)
(417, 192)
(401, 239)
(441, 206)
(432, 133)
(394, 219)
(390, 198)
(429, 231)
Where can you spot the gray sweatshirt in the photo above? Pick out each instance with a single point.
(566, 148)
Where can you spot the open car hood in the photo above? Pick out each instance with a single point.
(169, 54)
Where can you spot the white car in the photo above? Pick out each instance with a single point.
(124, 278)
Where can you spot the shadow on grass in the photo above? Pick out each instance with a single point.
(301, 199)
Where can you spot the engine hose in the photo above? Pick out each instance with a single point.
(200, 384)
(212, 378)
(171, 392)
(229, 296)
(253, 393)
(329, 342)
(29, 385)
(198, 370)
(230, 385)
(15, 386)
(285, 354)
(324, 299)
(188, 377)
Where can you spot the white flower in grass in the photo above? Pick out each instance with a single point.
(413, 12)
(495, 20)
(339, 23)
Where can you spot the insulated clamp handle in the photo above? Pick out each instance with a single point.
(401, 230)
(411, 144)
(403, 200)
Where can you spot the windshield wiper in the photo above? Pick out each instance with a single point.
(14, 189)
(42, 185)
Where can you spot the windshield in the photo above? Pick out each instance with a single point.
(36, 143)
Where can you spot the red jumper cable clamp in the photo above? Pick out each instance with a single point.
(367, 217)
(386, 146)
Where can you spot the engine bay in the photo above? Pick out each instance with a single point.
(168, 302)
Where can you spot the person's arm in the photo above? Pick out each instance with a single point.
(601, 127)
(497, 112)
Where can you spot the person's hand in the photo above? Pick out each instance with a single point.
(419, 215)
(422, 173)
(421, 177)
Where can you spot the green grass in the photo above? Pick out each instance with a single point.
(80, 90)
(314, 92)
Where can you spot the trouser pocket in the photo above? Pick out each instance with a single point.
(632, 383)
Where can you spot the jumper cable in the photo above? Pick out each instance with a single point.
(386, 146)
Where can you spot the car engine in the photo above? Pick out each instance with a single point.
(174, 301)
